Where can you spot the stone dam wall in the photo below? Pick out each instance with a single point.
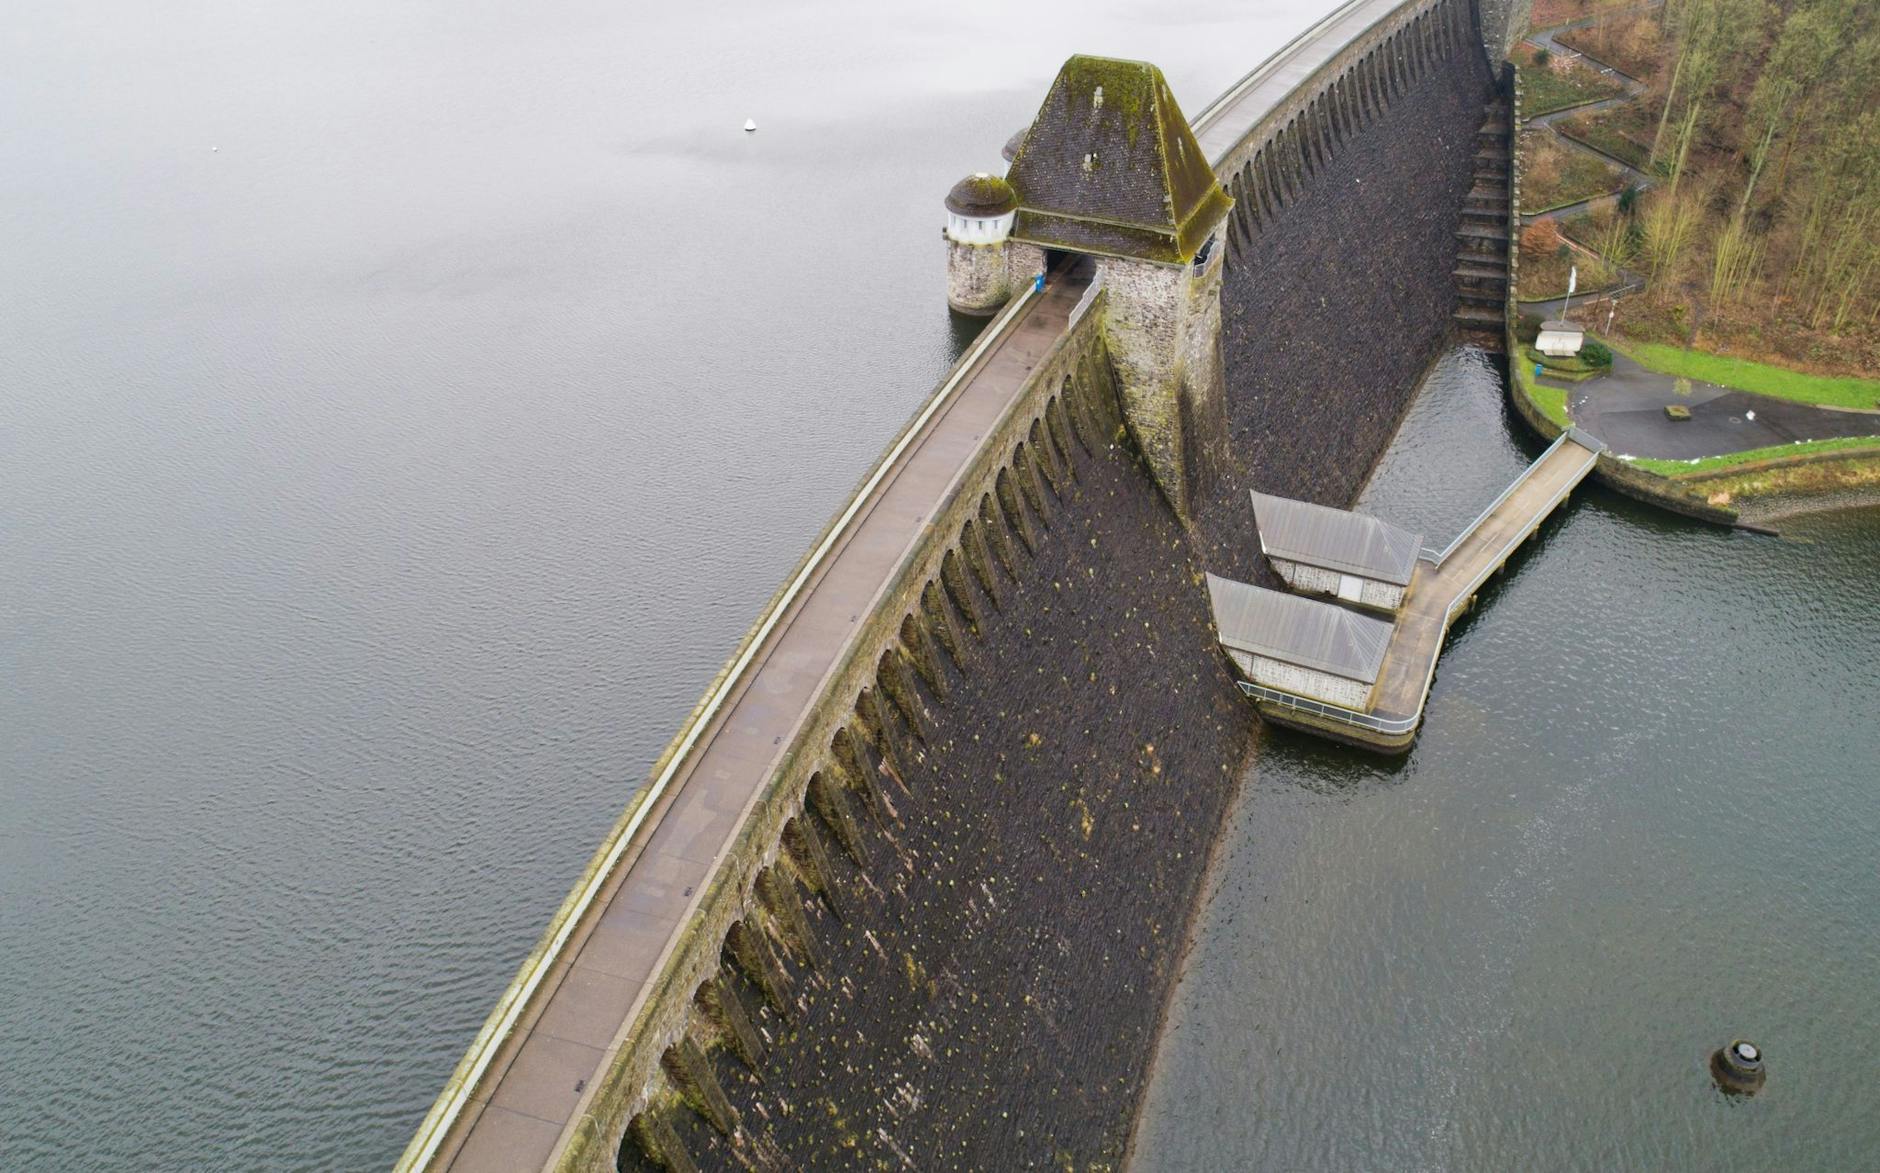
(960, 953)
(1022, 843)
(1338, 296)
(945, 930)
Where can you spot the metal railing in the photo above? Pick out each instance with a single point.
(1490, 565)
(1280, 57)
(1571, 435)
(1289, 700)
(1398, 726)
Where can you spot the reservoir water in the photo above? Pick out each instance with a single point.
(405, 409)
(1641, 820)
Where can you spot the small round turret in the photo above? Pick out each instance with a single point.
(980, 212)
(1014, 143)
(980, 209)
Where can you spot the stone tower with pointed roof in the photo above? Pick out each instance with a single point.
(1110, 168)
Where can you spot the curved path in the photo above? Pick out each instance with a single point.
(1630, 280)
(1626, 408)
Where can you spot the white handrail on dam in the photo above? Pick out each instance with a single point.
(502, 1020)
(1306, 55)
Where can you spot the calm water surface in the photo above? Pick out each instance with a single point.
(404, 408)
(1642, 818)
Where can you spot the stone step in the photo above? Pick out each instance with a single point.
(1496, 155)
(1496, 264)
(1483, 271)
(1494, 213)
(1489, 340)
(1476, 233)
(1498, 127)
(1474, 316)
(1490, 299)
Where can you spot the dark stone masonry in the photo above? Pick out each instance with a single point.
(1331, 315)
(1034, 846)
(989, 998)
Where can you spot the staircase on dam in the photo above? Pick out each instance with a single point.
(1481, 272)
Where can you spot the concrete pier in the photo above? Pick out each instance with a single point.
(1442, 588)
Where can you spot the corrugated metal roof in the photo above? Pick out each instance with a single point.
(1350, 543)
(1298, 631)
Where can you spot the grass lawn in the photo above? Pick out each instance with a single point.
(1633, 45)
(1624, 132)
(1572, 368)
(1681, 468)
(1555, 174)
(1559, 83)
(1779, 382)
(1552, 401)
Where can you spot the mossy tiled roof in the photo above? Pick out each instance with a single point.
(980, 194)
(1111, 166)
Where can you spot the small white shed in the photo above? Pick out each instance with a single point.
(1562, 339)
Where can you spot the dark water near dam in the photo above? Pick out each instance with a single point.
(1641, 819)
(404, 409)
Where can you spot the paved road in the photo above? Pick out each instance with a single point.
(1626, 409)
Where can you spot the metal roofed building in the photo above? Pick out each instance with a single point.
(1300, 646)
(1326, 551)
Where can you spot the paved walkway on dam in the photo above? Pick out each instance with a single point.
(1225, 122)
(1626, 409)
(562, 1045)
(1439, 591)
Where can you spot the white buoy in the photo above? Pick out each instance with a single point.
(750, 125)
(1749, 415)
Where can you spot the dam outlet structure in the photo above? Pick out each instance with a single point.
(910, 884)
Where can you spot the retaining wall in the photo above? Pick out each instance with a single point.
(1029, 833)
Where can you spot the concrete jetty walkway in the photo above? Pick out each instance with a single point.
(1441, 589)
